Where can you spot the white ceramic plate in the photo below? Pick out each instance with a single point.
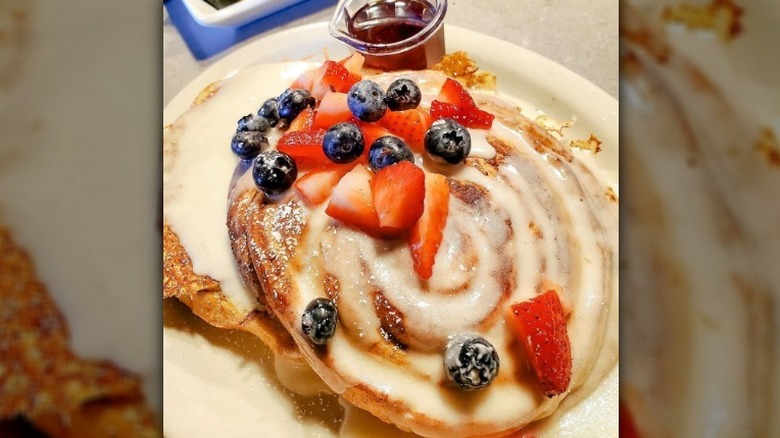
(238, 13)
(222, 383)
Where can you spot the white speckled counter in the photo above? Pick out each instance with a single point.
(582, 36)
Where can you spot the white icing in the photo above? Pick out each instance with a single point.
(196, 183)
(197, 175)
(298, 377)
(480, 148)
(566, 201)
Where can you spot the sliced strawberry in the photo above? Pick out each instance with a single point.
(305, 147)
(305, 81)
(540, 325)
(372, 131)
(427, 233)
(332, 76)
(316, 186)
(352, 204)
(468, 117)
(399, 193)
(333, 109)
(411, 125)
(304, 120)
(454, 93)
(354, 63)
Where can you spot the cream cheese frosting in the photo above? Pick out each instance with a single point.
(486, 247)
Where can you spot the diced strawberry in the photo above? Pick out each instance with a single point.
(304, 120)
(427, 233)
(305, 147)
(372, 131)
(354, 63)
(305, 81)
(399, 193)
(468, 117)
(411, 125)
(541, 327)
(316, 186)
(352, 204)
(454, 93)
(333, 109)
(332, 76)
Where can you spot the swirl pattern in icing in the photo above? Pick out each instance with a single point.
(530, 216)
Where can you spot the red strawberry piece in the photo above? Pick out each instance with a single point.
(454, 93)
(541, 327)
(399, 193)
(372, 131)
(316, 186)
(305, 81)
(411, 125)
(468, 117)
(333, 76)
(354, 63)
(351, 202)
(427, 233)
(304, 120)
(305, 147)
(333, 109)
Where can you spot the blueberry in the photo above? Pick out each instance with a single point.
(274, 172)
(343, 143)
(447, 142)
(252, 122)
(319, 320)
(270, 110)
(388, 150)
(366, 101)
(292, 102)
(403, 94)
(247, 144)
(471, 362)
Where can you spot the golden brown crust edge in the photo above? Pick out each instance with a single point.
(204, 297)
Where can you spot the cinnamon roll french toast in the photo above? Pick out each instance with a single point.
(437, 258)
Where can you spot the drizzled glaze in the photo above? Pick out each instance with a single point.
(196, 180)
(522, 257)
(490, 257)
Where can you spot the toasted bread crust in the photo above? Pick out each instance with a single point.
(204, 296)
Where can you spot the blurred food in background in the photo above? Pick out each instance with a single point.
(700, 108)
(42, 381)
(78, 356)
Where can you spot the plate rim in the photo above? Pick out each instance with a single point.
(236, 60)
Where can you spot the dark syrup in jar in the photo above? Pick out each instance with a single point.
(388, 22)
(389, 31)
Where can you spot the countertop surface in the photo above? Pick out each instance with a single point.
(582, 36)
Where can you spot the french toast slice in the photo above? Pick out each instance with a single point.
(532, 214)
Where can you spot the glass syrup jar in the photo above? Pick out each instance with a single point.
(392, 34)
